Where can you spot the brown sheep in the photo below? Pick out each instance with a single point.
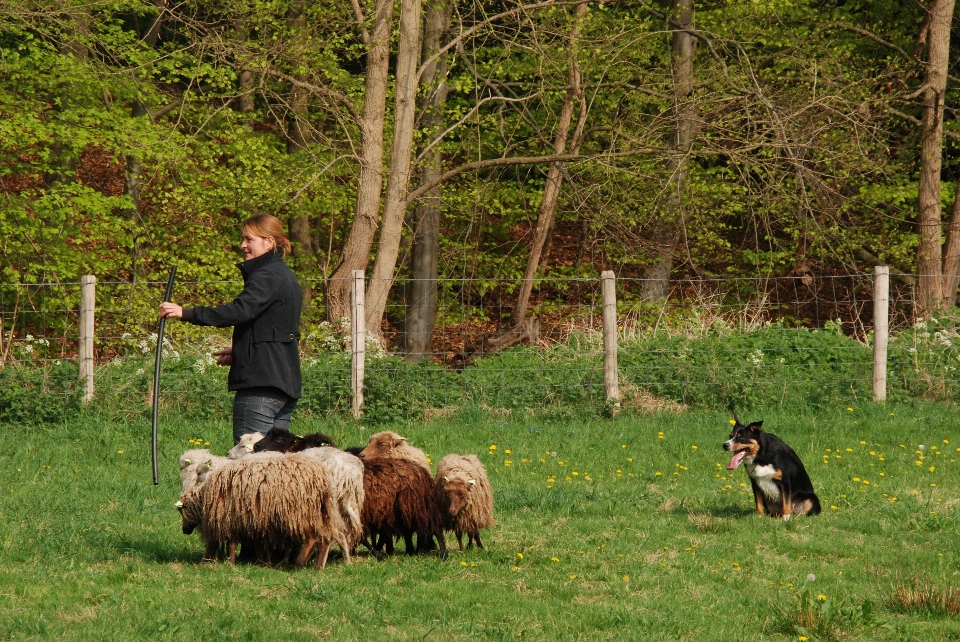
(189, 463)
(399, 502)
(464, 496)
(277, 502)
(391, 445)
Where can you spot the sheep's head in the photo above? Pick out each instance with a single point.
(382, 443)
(245, 446)
(457, 491)
(189, 508)
(278, 440)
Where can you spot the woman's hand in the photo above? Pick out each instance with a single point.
(224, 357)
(170, 310)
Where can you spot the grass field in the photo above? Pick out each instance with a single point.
(618, 529)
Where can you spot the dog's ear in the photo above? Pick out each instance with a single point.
(755, 426)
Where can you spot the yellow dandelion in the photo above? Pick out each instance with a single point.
(657, 474)
(572, 576)
(554, 559)
(629, 458)
(733, 423)
(932, 468)
(493, 446)
(694, 447)
(119, 452)
(623, 445)
(507, 451)
(849, 409)
(463, 563)
(575, 473)
(626, 578)
(832, 507)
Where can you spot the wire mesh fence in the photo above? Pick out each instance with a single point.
(729, 341)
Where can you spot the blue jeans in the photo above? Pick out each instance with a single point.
(259, 410)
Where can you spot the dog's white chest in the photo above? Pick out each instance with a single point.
(763, 476)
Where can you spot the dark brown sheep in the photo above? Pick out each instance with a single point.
(285, 441)
(399, 501)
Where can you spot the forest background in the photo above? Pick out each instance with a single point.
(495, 142)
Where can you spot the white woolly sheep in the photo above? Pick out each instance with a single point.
(245, 447)
(208, 465)
(465, 497)
(346, 486)
(276, 502)
(390, 445)
(189, 462)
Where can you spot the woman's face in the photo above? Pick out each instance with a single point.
(254, 246)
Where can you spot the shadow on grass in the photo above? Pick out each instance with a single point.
(154, 551)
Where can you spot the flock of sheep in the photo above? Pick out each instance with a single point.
(280, 497)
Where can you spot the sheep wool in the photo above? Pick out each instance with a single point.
(346, 486)
(464, 496)
(277, 502)
(390, 445)
(399, 501)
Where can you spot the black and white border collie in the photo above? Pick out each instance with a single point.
(780, 482)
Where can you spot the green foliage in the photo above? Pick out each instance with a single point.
(33, 394)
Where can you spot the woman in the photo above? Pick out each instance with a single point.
(264, 358)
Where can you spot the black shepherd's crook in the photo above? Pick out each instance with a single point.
(156, 374)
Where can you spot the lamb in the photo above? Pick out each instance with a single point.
(399, 501)
(346, 478)
(391, 445)
(286, 442)
(464, 496)
(277, 502)
(245, 447)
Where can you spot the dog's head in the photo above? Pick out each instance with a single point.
(744, 442)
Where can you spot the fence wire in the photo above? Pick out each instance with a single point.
(708, 340)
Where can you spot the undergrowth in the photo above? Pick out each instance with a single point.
(771, 365)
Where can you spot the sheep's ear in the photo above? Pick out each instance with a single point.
(398, 441)
(473, 482)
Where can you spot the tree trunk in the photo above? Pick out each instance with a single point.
(356, 250)
(930, 294)
(298, 130)
(666, 227)
(951, 254)
(395, 200)
(422, 310)
(298, 137)
(551, 191)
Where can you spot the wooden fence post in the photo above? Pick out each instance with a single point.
(358, 334)
(881, 330)
(88, 298)
(610, 378)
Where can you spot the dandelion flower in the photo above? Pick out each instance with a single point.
(694, 447)
(554, 559)
(626, 578)
(849, 409)
(572, 576)
(821, 597)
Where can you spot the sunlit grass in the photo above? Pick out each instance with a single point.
(605, 527)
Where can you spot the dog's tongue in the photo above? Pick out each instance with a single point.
(736, 459)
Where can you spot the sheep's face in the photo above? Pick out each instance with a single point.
(382, 444)
(457, 491)
(189, 518)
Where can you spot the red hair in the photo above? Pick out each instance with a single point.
(268, 226)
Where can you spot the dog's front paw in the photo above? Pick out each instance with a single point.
(786, 518)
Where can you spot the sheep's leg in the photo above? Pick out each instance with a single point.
(344, 548)
(408, 542)
(323, 552)
(305, 551)
(443, 545)
(476, 536)
(388, 543)
(212, 552)
(232, 551)
(460, 539)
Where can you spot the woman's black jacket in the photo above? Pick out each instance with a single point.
(266, 326)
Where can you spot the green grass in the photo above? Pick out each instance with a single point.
(92, 550)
